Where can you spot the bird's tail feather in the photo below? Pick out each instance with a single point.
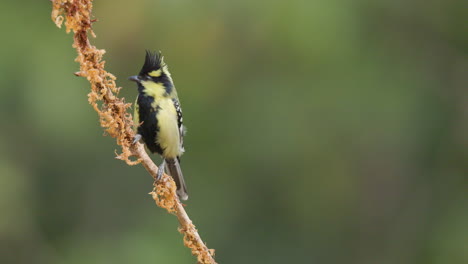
(173, 168)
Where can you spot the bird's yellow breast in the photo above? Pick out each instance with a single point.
(168, 136)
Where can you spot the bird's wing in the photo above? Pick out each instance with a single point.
(179, 121)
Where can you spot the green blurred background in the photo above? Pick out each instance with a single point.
(318, 132)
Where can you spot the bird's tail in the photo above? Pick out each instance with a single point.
(173, 168)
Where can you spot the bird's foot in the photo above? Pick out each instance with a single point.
(161, 170)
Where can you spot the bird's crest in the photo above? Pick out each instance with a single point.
(154, 62)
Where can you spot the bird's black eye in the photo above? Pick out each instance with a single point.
(147, 77)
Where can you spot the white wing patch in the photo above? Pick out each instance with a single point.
(182, 129)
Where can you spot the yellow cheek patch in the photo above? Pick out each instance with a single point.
(155, 73)
(153, 89)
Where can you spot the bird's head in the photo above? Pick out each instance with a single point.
(154, 69)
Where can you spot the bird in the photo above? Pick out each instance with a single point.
(158, 117)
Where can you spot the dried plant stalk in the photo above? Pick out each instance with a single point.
(115, 119)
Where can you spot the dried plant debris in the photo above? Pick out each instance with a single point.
(113, 114)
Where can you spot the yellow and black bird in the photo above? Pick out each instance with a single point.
(158, 117)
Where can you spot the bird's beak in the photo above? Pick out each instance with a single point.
(134, 78)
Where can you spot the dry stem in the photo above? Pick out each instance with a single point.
(116, 120)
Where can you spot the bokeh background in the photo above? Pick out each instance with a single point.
(318, 132)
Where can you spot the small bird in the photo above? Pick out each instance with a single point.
(158, 117)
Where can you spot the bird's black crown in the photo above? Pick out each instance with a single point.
(153, 62)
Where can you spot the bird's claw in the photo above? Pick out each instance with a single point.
(161, 170)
